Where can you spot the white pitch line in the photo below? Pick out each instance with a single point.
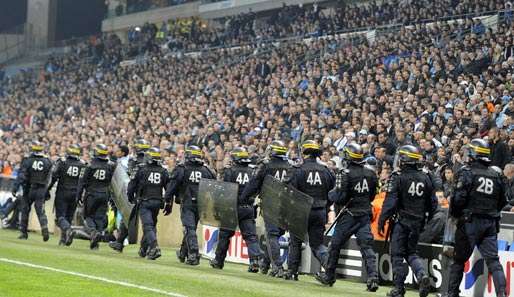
(97, 278)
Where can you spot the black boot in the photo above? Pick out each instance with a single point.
(181, 256)
(142, 252)
(193, 260)
(264, 268)
(291, 275)
(46, 235)
(23, 235)
(424, 286)
(396, 292)
(95, 238)
(216, 264)
(69, 236)
(324, 279)
(372, 285)
(116, 246)
(62, 241)
(153, 253)
(254, 265)
(277, 271)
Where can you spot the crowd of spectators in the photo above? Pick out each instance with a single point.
(436, 86)
(317, 20)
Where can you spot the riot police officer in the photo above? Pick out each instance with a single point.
(279, 168)
(476, 203)
(146, 187)
(240, 173)
(184, 186)
(408, 199)
(34, 177)
(66, 174)
(355, 189)
(96, 182)
(315, 180)
(133, 165)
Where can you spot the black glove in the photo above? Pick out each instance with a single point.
(14, 193)
(167, 208)
(132, 201)
(47, 196)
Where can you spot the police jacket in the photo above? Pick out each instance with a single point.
(35, 171)
(409, 194)
(480, 190)
(67, 173)
(355, 188)
(148, 183)
(277, 167)
(97, 177)
(184, 182)
(240, 174)
(315, 180)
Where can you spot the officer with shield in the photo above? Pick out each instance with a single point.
(66, 174)
(239, 173)
(355, 189)
(34, 177)
(476, 204)
(184, 186)
(279, 168)
(315, 180)
(134, 164)
(146, 188)
(96, 182)
(408, 200)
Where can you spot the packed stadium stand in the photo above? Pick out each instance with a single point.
(432, 73)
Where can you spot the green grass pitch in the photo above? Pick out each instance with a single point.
(165, 274)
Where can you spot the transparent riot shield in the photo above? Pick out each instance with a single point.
(285, 207)
(217, 203)
(119, 185)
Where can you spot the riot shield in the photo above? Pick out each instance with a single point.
(285, 207)
(119, 184)
(217, 203)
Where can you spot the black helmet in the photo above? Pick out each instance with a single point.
(240, 155)
(37, 148)
(153, 154)
(409, 155)
(101, 151)
(478, 149)
(73, 151)
(353, 153)
(141, 146)
(311, 148)
(371, 163)
(277, 148)
(194, 154)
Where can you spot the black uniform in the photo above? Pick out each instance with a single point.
(184, 185)
(355, 189)
(478, 199)
(34, 178)
(409, 197)
(96, 182)
(147, 188)
(240, 174)
(315, 180)
(280, 169)
(66, 174)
